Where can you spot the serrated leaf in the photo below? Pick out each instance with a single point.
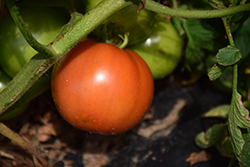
(199, 35)
(216, 71)
(245, 160)
(220, 111)
(238, 118)
(242, 38)
(228, 56)
(215, 134)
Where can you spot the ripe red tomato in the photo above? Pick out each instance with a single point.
(102, 89)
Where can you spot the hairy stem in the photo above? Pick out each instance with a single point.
(235, 71)
(24, 30)
(197, 14)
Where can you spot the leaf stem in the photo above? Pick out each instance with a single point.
(228, 30)
(202, 14)
(231, 42)
(13, 9)
(232, 124)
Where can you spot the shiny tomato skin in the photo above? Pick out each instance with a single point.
(102, 89)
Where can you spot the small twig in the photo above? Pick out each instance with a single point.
(6, 155)
(30, 148)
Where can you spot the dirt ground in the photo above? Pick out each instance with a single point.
(164, 138)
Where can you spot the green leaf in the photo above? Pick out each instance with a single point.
(194, 57)
(215, 134)
(245, 160)
(225, 148)
(234, 3)
(238, 118)
(178, 25)
(228, 56)
(242, 38)
(217, 4)
(200, 38)
(220, 111)
(199, 34)
(216, 71)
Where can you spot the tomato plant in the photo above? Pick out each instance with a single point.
(137, 25)
(4, 80)
(162, 50)
(43, 22)
(101, 88)
(113, 22)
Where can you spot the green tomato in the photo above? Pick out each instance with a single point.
(9, 114)
(162, 50)
(137, 25)
(44, 23)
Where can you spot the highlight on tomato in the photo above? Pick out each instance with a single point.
(101, 88)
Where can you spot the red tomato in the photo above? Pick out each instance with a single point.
(102, 89)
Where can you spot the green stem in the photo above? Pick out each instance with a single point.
(201, 14)
(91, 20)
(228, 30)
(235, 72)
(124, 40)
(231, 42)
(24, 30)
(71, 35)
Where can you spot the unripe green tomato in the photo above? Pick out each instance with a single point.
(4, 80)
(162, 50)
(43, 22)
(138, 25)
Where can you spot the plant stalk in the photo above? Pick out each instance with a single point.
(13, 9)
(195, 14)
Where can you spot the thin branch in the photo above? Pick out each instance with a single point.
(196, 14)
(13, 9)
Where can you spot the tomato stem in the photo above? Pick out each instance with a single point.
(13, 9)
(125, 40)
(201, 14)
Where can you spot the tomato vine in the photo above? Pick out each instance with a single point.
(81, 25)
